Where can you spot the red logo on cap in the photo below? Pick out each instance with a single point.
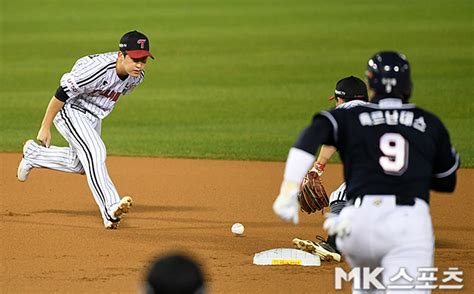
(142, 43)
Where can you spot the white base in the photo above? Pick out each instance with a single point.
(286, 256)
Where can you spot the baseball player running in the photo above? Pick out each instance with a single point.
(86, 95)
(393, 153)
(350, 92)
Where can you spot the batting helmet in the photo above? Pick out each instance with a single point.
(388, 73)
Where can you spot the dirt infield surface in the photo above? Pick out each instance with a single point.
(53, 240)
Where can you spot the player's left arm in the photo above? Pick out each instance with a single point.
(446, 163)
(321, 131)
(325, 154)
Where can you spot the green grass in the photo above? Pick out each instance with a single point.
(233, 79)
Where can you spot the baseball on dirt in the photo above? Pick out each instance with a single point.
(238, 229)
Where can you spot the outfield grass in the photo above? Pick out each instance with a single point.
(232, 79)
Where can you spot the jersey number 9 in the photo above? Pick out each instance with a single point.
(395, 154)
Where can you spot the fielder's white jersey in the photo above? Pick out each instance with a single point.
(93, 83)
(350, 104)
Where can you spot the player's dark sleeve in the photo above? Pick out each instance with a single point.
(319, 132)
(446, 184)
(446, 162)
(61, 95)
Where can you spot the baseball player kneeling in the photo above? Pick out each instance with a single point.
(349, 92)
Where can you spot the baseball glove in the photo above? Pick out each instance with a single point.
(312, 196)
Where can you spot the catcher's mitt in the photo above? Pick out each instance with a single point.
(312, 196)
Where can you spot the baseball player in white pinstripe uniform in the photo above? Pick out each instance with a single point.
(86, 95)
(349, 92)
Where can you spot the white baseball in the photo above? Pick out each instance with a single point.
(238, 229)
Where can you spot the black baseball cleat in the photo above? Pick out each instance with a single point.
(321, 248)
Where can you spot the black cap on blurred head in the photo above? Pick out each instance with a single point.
(350, 88)
(135, 44)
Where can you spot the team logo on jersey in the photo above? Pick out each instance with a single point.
(110, 94)
(389, 83)
(141, 42)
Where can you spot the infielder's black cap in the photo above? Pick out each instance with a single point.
(350, 88)
(135, 44)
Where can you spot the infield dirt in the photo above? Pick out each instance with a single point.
(53, 240)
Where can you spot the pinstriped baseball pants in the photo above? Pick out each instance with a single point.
(86, 154)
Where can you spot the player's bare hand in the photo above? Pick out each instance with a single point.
(44, 137)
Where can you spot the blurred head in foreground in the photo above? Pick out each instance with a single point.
(174, 273)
